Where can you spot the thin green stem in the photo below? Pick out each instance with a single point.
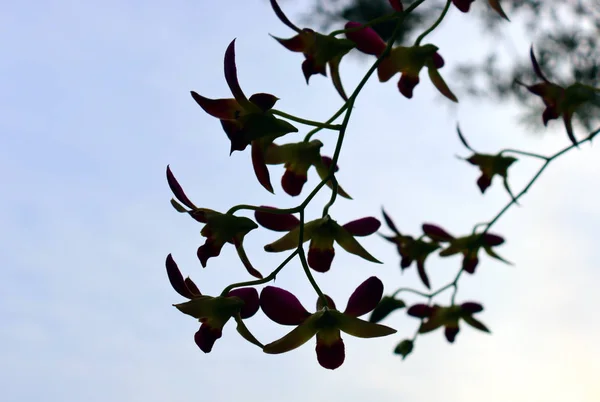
(435, 24)
(330, 120)
(305, 121)
(524, 153)
(266, 279)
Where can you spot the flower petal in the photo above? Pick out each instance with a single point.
(367, 40)
(363, 226)
(292, 182)
(290, 240)
(471, 307)
(422, 273)
(365, 298)
(224, 109)
(320, 259)
(264, 101)
(440, 84)
(232, 79)
(330, 352)
(396, 5)
(177, 190)
(420, 311)
(206, 336)
(296, 338)
(282, 17)
(323, 172)
(260, 168)
(209, 249)
(176, 279)
(451, 332)
(475, 323)
(349, 243)
(390, 222)
(334, 71)
(250, 298)
(282, 306)
(276, 222)
(436, 233)
(360, 328)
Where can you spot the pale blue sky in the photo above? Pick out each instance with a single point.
(95, 103)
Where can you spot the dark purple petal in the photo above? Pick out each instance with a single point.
(176, 279)
(276, 222)
(420, 311)
(330, 356)
(206, 336)
(235, 134)
(463, 5)
(192, 287)
(320, 259)
(470, 263)
(208, 250)
(407, 84)
(405, 262)
(282, 307)
(292, 183)
(438, 60)
(330, 303)
(367, 40)
(471, 307)
(436, 233)
(484, 182)
(327, 161)
(390, 222)
(363, 226)
(264, 101)
(177, 190)
(250, 298)
(231, 75)
(550, 113)
(492, 240)
(422, 273)
(365, 298)
(536, 66)
(396, 5)
(282, 17)
(450, 333)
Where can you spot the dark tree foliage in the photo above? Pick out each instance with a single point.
(566, 41)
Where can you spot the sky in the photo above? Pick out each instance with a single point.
(95, 101)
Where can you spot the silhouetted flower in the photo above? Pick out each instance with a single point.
(219, 229)
(448, 317)
(246, 121)
(212, 312)
(322, 233)
(284, 308)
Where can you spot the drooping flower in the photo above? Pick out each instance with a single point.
(212, 312)
(284, 308)
(490, 166)
(246, 121)
(218, 229)
(409, 61)
(468, 246)
(411, 249)
(319, 50)
(559, 101)
(297, 159)
(448, 317)
(322, 233)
